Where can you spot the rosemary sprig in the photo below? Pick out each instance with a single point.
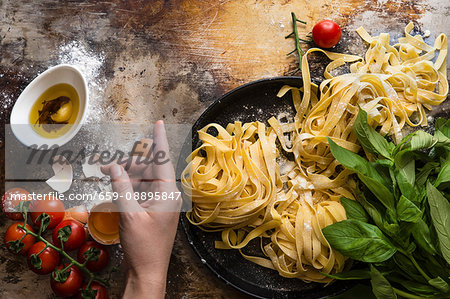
(297, 49)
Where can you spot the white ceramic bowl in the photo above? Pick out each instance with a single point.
(20, 115)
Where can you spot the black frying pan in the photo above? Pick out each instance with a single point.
(255, 101)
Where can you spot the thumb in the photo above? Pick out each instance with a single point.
(122, 185)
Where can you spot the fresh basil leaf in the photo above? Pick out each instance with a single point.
(413, 286)
(381, 287)
(357, 274)
(392, 174)
(391, 229)
(359, 241)
(403, 144)
(422, 140)
(383, 166)
(391, 216)
(404, 236)
(383, 194)
(366, 173)
(384, 162)
(440, 216)
(444, 174)
(439, 284)
(370, 139)
(442, 140)
(442, 126)
(422, 236)
(424, 173)
(354, 162)
(373, 210)
(370, 209)
(440, 154)
(408, 268)
(411, 248)
(434, 266)
(422, 195)
(406, 188)
(354, 210)
(405, 172)
(408, 211)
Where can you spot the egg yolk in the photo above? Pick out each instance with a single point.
(106, 222)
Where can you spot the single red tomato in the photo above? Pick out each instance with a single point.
(102, 292)
(49, 258)
(76, 238)
(94, 265)
(71, 285)
(326, 33)
(14, 233)
(50, 205)
(11, 199)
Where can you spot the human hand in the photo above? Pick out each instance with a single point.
(147, 230)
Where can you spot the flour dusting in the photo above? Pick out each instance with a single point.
(90, 65)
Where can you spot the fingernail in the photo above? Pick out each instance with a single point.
(116, 171)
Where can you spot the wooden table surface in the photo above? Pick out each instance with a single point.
(163, 59)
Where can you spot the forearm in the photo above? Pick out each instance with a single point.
(152, 286)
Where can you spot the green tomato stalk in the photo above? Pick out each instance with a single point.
(63, 236)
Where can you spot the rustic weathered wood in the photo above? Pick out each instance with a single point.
(170, 60)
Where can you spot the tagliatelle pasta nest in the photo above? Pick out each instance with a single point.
(234, 179)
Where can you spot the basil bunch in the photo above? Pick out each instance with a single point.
(400, 223)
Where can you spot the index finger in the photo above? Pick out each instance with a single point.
(162, 168)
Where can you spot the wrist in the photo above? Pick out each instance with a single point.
(142, 284)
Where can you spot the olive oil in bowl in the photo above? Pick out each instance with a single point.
(51, 110)
(55, 111)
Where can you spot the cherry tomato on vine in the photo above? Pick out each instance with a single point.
(102, 292)
(94, 265)
(49, 205)
(73, 238)
(11, 199)
(49, 258)
(15, 233)
(326, 33)
(68, 287)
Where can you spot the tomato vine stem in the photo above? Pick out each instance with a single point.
(83, 267)
(43, 249)
(24, 210)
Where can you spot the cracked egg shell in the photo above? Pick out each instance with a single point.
(63, 174)
(92, 170)
(79, 213)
